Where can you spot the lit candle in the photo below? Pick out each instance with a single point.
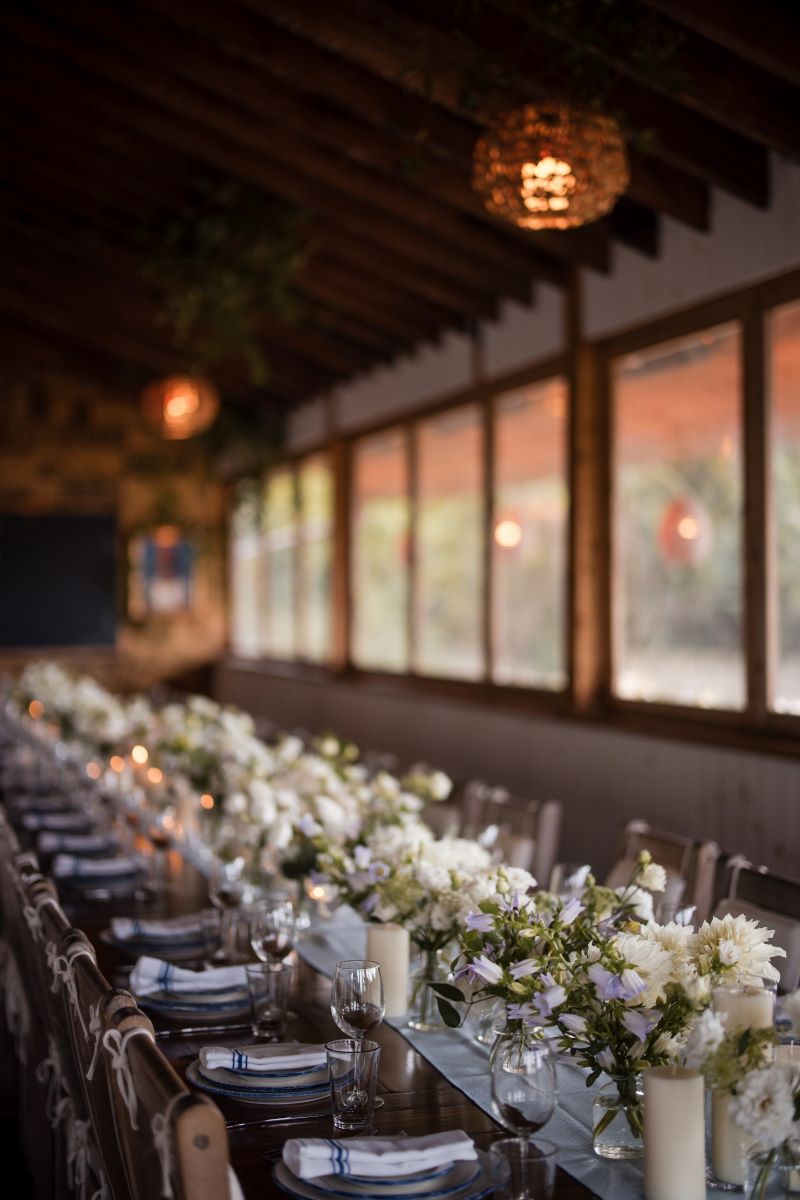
(388, 946)
(748, 1007)
(674, 1134)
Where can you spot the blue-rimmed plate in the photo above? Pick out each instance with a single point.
(309, 1077)
(464, 1181)
(264, 1096)
(167, 1003)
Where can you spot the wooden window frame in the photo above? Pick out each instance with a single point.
(588, 696)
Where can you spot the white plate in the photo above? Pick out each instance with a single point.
(265, 1100)
(475, 1183)
(224, 1077)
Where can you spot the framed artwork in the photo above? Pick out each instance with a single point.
(161, 573)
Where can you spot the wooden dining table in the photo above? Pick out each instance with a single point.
(417, 1098)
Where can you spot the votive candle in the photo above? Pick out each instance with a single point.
(746, 1007)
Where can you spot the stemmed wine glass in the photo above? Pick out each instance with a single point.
(524, 1088)
(225, 889)
(357, 1003)
(273, 931)
(273, 928)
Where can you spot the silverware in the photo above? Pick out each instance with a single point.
(188, 1029)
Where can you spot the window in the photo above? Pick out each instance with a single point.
(248, 577)
(783, 341)
(315, 497)
(530, 536)
(448, 545)
(280, 544)
(677, 597)
(380, 551)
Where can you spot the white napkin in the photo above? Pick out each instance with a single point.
(151, 975)
(376, 1158)
(57, 821)
(179, 929)
(263, 1058)
(75, 843)
(68, 866)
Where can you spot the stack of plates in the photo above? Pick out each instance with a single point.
(459, 1181)
(215, 1005)
(288, 1086)
(185, 947)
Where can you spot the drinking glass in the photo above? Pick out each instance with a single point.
(353, 1070)
(523, 1083)
(522, 1169)
(268, 985)
(357, 1004)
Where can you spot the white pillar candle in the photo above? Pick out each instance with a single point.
(674, 1134)
(748, 1007)
(388, 946)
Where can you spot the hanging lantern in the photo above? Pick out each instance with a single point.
(685, 534)
(180, 406)
(551, 166)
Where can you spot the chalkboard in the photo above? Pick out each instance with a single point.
(57, 580)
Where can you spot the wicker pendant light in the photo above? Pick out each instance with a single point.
(180, 406)
(551, 166)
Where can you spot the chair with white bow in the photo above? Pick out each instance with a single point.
(772, 900)
(526, 833)
(172, 1142)
(690, 868)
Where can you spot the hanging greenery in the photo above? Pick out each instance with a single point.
(220, 266)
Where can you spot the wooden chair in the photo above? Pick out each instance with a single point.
(690, 867)
(171, 1142)
(528, 832)
(772, 900)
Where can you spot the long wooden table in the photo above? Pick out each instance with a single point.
(417, 1098)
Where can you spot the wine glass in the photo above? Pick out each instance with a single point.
(273, 927)
(225, 888)
(524, 1083)
(357, 1004)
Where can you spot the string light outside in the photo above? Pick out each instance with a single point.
(551, 166)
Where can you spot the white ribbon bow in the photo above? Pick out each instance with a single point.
(116, 1044)
(49, 1069)
(34, 921)
(95, 1031)
(162, 1140)
(18, 1018)
(63, 969)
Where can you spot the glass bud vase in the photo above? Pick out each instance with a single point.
(617, 1120)
(774, 1174)
(423, 1013)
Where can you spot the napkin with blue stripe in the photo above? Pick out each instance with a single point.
(376, 1158)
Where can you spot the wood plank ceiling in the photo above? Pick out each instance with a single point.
(113, 110)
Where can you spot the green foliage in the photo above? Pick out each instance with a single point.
(220, 266)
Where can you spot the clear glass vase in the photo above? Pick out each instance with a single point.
(423, 1013)
(617, 1120)
(774, 1174)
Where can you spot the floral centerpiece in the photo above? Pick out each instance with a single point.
(402, 873)
(617, 991)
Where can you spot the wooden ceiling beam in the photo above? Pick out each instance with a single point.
(188, 119)
(407, 275)
(293, 122)
(288, 349)
(24, 346)
(351, 218)
(388, 41)
(636, 226)
(350, 135)
(767, 34)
